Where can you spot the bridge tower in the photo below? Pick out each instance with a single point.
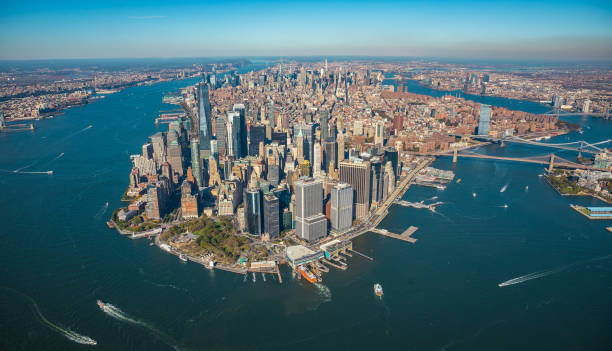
(551, 165)
(454, 155)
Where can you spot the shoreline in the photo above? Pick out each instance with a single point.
(576, 195)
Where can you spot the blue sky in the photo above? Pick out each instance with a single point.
(567, 30)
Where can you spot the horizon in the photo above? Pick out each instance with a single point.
(522, 30)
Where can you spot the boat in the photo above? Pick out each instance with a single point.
(459, 180)
(183, 258)
(101, 304)
(306, 273)
(110, 224)
(378, 290)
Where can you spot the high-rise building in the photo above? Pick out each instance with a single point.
(254, 218)
(379, 136)
(357, 174)
(221, 135)
(483, 122)
(311, 224)
(271, 215)
(205, 120)
(376, 179)
(189, 201)
(307, 131)
(340, 147)
(196, 168)
(392, 155)
(257, 135)
(175, 157)
(341, 211)
(330, 155)
(324, 125)
(271, 117)
(316, 160)
(242, 133)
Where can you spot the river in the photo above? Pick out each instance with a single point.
(440, 294)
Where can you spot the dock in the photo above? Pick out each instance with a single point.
(405, 236)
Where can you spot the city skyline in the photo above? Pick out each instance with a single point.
(449, 29)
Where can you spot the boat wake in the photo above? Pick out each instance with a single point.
(67, 333)
(324, 292)
(541, 274)
(503, 188)
(254, 277)
(101, 211)
(77, 132)
(263, 275)
(115, 312)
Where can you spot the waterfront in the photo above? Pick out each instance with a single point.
(440, 293)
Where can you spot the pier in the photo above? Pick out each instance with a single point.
(405, 236)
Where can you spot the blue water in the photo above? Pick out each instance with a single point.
(440, 293)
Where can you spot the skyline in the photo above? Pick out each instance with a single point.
(448, 29)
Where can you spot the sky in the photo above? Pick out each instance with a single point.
(539, 30)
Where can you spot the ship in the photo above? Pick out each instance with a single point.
(378, 290)
(101, 304)
(306, 273)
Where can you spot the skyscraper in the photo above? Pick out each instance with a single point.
(379, 136)
(307, 131)
(205, 120)
(196, 168)
(257, 134)
(253, 211)
(483, 122)
(316, 160)
(324, 125)
(221, 134)
(392, 155)
(311, 224)
(271, 215)
(341, 212)
(330, 153)
(357, 174)
(242, 132)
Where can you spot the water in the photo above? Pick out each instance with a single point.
(441, 293)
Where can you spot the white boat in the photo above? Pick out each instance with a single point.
(378, 290)
(183, 258)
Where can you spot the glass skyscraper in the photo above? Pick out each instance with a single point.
(204, 119)
(483, 122)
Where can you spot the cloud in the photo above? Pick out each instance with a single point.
(145, 17)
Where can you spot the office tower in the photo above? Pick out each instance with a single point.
(175, 157)
(235, 136)
(254, 220)
(189, 201)
(159, 147)
(324, 125)
(242, 132)
(147, 151)
(483, 122)
(316, 160)
(333, 132)
(311, 224)
(205, 120)
(274, 174)
(388, 180)
(376, 179)
(307, 131)
(257, 135)
(156, 199)
(271, 120)
(329, 155)
(341, 211)
(196, 168)
(287, 219)
(271, 215)
(379, 137)
(299, 141)
(357, 174)
(391, 154)
(340, 147)
(221, 134)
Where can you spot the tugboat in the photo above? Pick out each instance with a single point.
(378, 290)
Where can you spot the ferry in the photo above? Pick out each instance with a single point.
(306, 273)
(183, 258)
(378, 290)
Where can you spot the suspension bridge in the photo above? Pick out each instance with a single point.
(550, 159)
